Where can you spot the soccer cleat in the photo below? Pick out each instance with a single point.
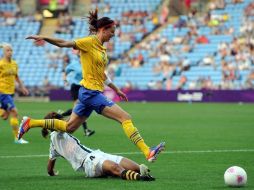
(155, 151)
(21, 141)
(89, 132)
(143, 169)
(147, 177)
(144, 173)
(60, 112)
(24, 127)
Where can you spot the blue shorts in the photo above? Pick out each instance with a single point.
(6, 102)
(90, 100)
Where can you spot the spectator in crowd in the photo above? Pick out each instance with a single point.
(250, 80)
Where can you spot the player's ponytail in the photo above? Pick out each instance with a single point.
(95, 24)
(92, 20)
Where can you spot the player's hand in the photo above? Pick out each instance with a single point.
(34, 37)
(38, 40)
(122, 95)
(24, 91)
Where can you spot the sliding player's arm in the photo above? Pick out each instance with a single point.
(51, 165)
(52, 160)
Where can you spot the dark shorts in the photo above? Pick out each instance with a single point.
(6, 102)
(90, 100)
(74, 91)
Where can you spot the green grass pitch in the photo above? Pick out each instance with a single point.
(202, 141)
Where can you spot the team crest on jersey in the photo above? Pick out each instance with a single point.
(104, 57)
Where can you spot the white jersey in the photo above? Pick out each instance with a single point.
(68, 147)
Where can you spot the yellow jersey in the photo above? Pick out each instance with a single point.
(8, 74)
(93, 58)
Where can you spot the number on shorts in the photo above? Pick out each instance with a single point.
(92, 157)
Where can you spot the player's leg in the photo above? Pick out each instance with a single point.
(14, 122)
(129, 164)
(87, 132)
(52, 124)
(78, 116)
(4, 114)
(66, 113)
(6, 102)
(117, 113)
(74, 94)
(112, 168)
(132, 165)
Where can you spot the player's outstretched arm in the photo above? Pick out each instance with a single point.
(51, 165)
(55, 41)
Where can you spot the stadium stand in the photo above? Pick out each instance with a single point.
(191, 53)
(213, 51)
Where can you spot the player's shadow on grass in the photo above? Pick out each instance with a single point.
(66, 177)
(226, 187)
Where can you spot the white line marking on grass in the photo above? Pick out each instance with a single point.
(194, 151)
(133, 153)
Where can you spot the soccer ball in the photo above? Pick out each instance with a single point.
(235, 176)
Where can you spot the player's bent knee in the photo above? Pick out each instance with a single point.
(70, 129)
(116, 169)
(126, 117)
(5, 116)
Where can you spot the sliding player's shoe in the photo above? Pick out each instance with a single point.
(155, 151)
(144, 173)
(147, 177)
(144, 170)
(24, 127)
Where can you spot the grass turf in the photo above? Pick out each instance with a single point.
(184, 127)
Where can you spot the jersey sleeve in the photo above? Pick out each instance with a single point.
(52, 152)
(69, 68)
(83, 44)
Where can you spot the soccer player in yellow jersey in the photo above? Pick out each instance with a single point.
(93, 61)
(8, 76)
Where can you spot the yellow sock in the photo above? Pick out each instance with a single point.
(130, 175)
(14, 122)
(51, 124)
(135, 137)
(1, 111)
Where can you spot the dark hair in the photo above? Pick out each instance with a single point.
(50, 115)
(95, 23)
(53, 115)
